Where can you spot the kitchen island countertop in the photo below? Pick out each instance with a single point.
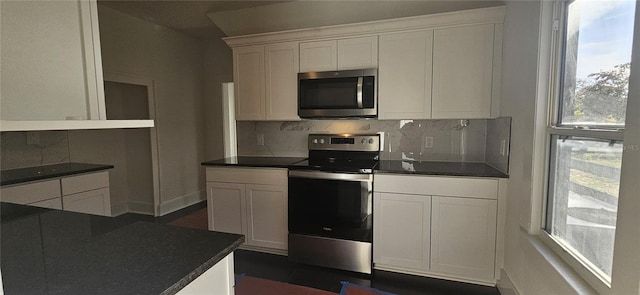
(57, 252)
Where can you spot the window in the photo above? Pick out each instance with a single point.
(592, 62)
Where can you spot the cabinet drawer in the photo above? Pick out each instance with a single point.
(272, 176)
(55, 203)
(31, 193)
(96, 202)
(83, 183)
(437, 186)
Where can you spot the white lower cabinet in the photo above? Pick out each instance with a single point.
(402, 242)
(91, 202)
(85, 193)
(218, 280)
(225, 207)
(250, 201)
(463, 237)
(450, 235)
(267, 216)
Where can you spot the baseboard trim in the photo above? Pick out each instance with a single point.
(119, 209)
(505, 285)
(182, 202)
(379, 266)
(264, 250)
(141, 208)
(132, 207)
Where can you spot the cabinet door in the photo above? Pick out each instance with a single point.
(463, 237)
(267, 216)
(462, 72)
(405, 76)
(318, 56)
(401, 234)
(358, 53)
(249, 81)
(225, 207)
(96, 202)
(282, 62)
(51, 65)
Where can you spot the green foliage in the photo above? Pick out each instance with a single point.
(603, 97)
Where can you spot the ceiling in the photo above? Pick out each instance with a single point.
(189, 17)
(213, 19)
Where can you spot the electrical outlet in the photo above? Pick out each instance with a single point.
(503, 147)
(428, 142)
(260, 139)
(33, 137)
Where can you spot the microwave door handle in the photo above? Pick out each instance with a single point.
(359, 91)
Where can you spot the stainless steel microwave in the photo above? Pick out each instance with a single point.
(338, 94)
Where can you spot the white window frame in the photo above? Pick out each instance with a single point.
(591, 274)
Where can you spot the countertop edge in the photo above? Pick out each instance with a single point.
(56, 175)
(179, 285)
(505, 176)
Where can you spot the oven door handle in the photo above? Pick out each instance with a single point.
(331, 175)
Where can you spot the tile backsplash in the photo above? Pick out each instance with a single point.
(450, 140)
(33, 148)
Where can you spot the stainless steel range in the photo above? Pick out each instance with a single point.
(330, 202)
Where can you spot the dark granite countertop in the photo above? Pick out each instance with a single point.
(20, 175)
(245, 161)
(57, 252)
(439, 168)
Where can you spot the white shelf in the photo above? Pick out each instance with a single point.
(73, 125)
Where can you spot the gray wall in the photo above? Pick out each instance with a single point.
(173, 61)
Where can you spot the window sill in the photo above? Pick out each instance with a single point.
(570, 269)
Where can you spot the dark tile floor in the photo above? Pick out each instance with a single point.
(278, 268)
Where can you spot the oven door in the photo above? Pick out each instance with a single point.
(333, 205)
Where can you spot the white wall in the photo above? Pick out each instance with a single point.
(128, 150)
(530, 265)
(218, 69)
(174, 62)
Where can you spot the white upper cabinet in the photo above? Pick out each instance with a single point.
(282, 81)
(438, 66)
(404, 75)
(342, 54)
(249, 80)
(49, 67)
(463, 72)
(318, 56)
(51, 73)
(266, 81)
(358, 53)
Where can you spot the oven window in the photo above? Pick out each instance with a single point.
(330, 208)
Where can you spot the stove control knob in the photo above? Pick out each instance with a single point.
(315, 141)
(321, 141)
(370, 140)
(364, 141)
